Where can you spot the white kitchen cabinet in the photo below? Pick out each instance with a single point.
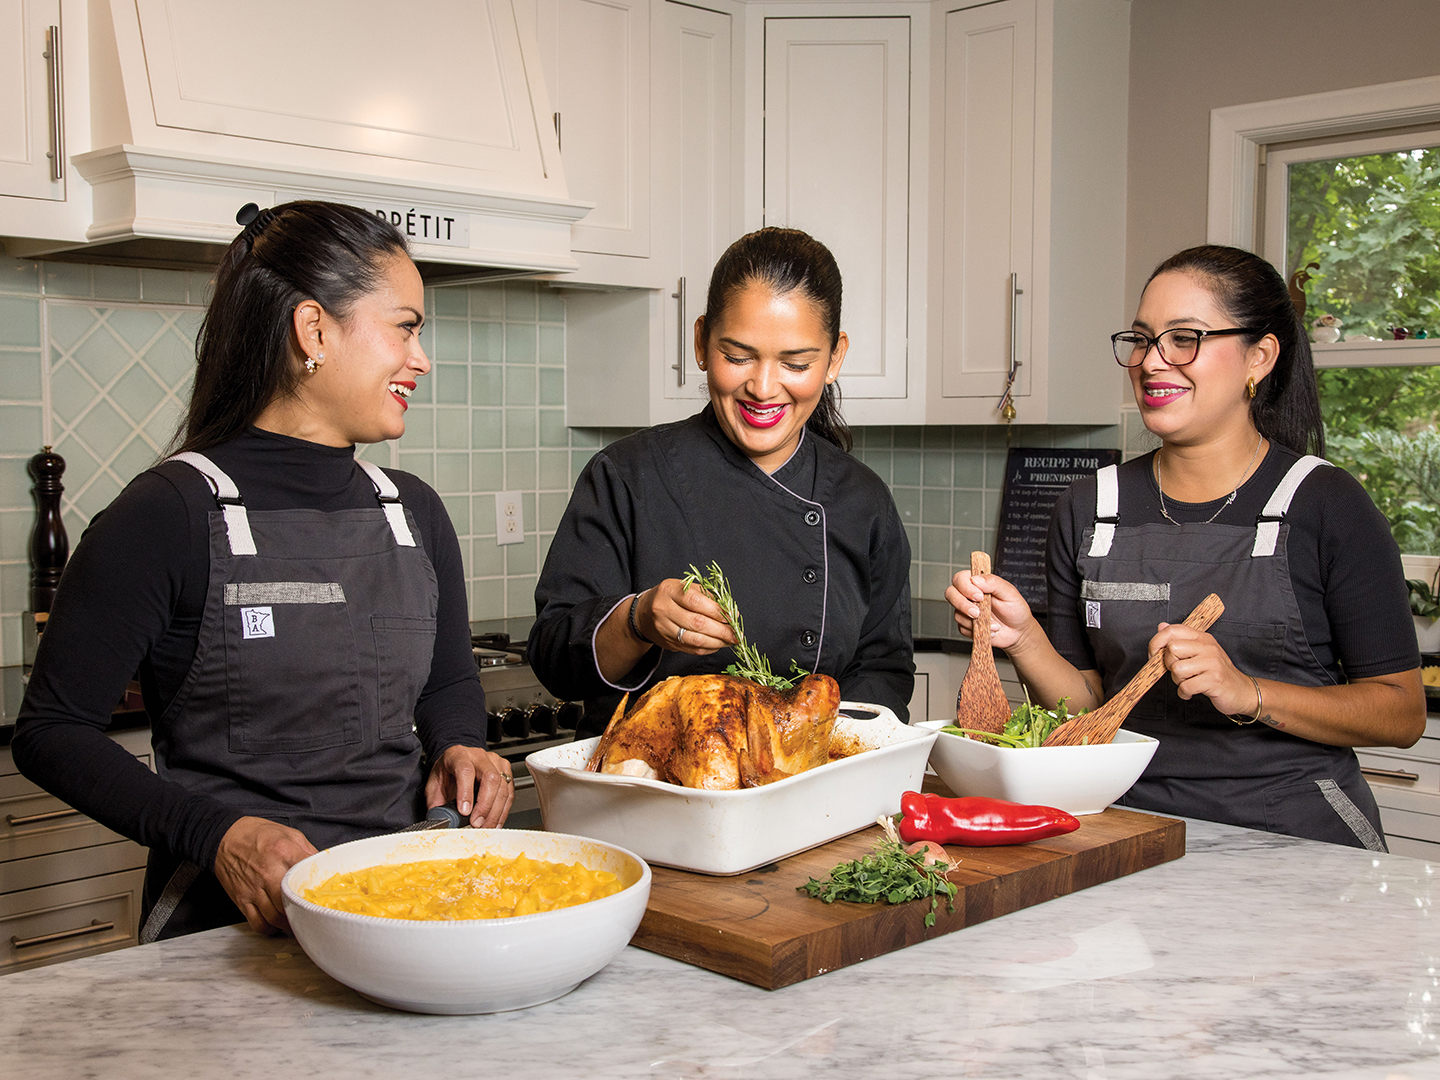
(1406, 783)
(629, 351)
(44, 118)
(837, 165)
(597, 59)
(68, 886)
(1029, 197)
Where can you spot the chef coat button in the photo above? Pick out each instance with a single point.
(810, 576)
(807, 639)
(812, 517)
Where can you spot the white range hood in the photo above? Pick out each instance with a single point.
(433, 113)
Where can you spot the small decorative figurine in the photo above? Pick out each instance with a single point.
(1398, 332)
(1297, 287)
(1326, 329)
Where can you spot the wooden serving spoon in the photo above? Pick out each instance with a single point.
(1098, 727)
(981, 704)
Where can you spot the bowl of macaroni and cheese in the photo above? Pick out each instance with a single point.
(465, 920)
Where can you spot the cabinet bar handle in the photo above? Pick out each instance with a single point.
(57, 103)
(679, 294)
(35, 819)
(1391, 774)
(95, 927)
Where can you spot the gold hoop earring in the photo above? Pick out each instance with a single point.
(1250, 388)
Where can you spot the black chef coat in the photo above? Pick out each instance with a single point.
(815, 554)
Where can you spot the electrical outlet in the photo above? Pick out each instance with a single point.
(509, 518)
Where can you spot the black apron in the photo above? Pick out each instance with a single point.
(1207, 766)
(299, 707)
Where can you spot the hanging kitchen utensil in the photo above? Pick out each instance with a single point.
(1098, 727)
(981, 704)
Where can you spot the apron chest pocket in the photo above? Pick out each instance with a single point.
(292, 673)
(404, 647)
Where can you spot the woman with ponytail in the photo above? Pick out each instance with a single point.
(1315, 652)
(297, 617)
(760, 482)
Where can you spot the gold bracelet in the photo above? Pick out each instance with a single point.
(1259, 705)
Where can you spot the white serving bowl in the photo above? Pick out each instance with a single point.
(470, 965)
(1076, 779)
(730, 832)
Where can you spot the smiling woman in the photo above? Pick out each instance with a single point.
(760, 482)
(297, 617)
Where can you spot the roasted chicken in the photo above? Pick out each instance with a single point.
(721, 732)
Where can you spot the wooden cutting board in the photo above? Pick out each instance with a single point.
(758, 928)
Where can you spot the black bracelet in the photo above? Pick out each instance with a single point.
(635, 629)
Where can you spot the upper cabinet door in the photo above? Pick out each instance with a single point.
(988, 205)
(837, 146)
(31, 116)
(596, 55)
(347, 78)
(693, 131)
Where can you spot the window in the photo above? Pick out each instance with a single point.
(1356, 224)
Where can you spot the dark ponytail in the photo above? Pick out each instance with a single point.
(786, 260)
(245, 352)
(1286, 407)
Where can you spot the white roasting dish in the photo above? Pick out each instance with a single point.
(730, 832)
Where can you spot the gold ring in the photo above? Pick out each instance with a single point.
(507, 779)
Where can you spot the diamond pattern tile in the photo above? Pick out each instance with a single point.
(119, 380)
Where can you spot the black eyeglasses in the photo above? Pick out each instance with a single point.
(1177, 346)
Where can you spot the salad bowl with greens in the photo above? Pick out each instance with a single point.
(1013, 765)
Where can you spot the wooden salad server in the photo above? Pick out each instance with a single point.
(981, 704)
(1098, 727)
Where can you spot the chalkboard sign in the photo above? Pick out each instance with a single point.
(1034, 479)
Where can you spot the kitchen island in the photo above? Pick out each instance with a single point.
(1255, 955)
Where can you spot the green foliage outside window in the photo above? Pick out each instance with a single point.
(1373, 225)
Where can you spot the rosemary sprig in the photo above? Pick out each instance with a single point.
(752, 663)
(888, 873)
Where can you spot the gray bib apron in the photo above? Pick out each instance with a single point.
(317, 638)
(1206, 766)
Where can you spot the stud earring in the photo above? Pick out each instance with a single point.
(310, 365)
(1250, 388)
(702, 365)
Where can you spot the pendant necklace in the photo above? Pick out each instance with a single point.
(1160, 484)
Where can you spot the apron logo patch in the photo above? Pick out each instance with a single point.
(1092, 613)
(256, 622)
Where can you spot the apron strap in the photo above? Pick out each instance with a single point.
(237, 524)
(1107, 510)
(180, 881)
(1267, 528)
(389, 496)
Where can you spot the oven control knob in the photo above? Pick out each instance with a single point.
(494, 730)
(568, 715)
(541, 718)
(515, 723)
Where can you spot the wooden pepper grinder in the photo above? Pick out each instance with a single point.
(49, 546)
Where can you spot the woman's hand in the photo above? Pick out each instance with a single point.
(1198, 665)
(669, 608)
(1010, 618)
(253, 856)
(476, 781)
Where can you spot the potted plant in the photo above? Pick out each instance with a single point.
(1425, 607)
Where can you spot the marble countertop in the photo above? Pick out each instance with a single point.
(1253, 956)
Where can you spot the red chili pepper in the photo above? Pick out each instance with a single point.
(978, 822)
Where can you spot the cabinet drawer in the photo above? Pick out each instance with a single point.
(1409, 825)
(1395, 769)
(1415, 849)
(62, 866)
(37, 823)
(61, 922)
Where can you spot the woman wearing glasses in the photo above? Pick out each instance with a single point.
(1315, 652)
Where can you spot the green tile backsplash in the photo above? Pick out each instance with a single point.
(97, 360)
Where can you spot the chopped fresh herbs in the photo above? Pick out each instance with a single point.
(889, 873)
(752, 665)
(1029, 725)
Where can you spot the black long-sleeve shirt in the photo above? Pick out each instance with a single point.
(1344, 565)
(132, 597)
(815, 554)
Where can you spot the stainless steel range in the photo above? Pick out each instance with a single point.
(521, 716)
